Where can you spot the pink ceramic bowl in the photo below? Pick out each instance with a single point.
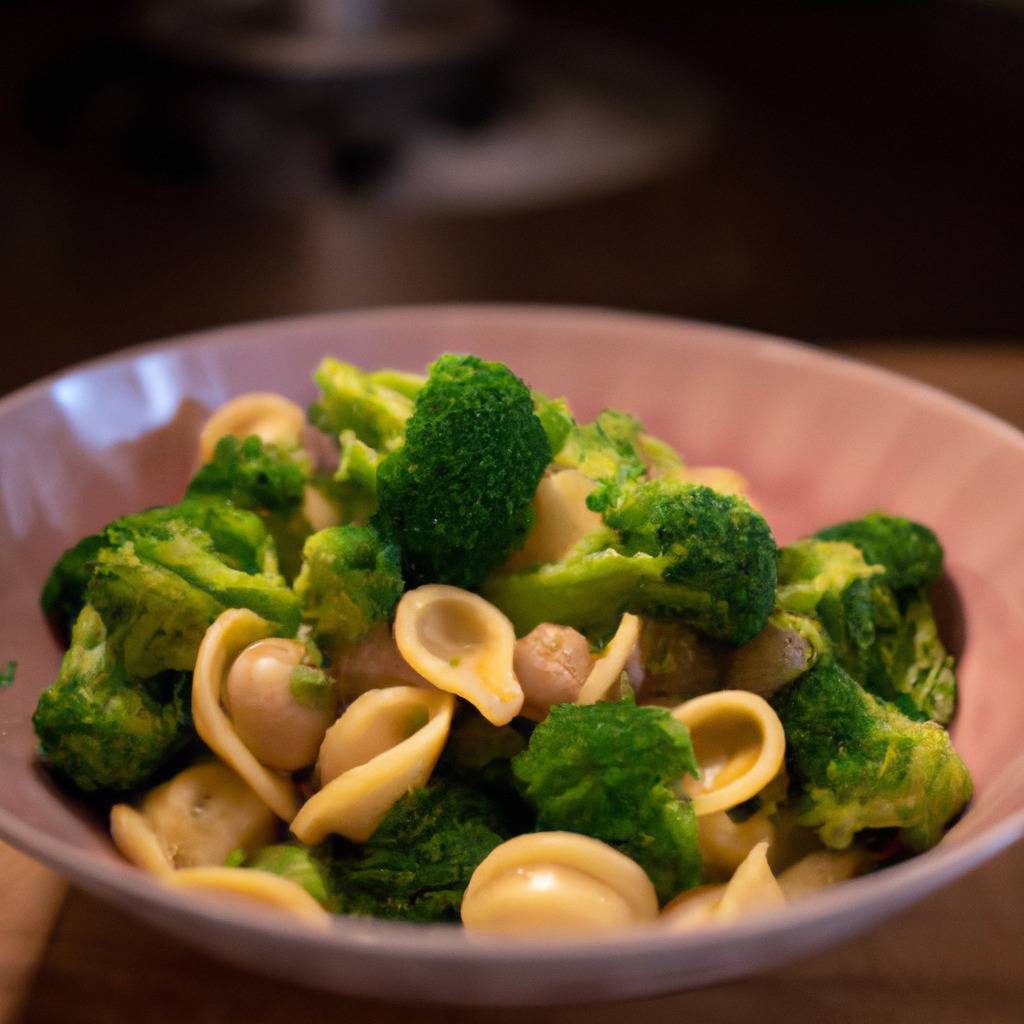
(821, 438)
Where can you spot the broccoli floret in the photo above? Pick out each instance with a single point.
(674, 551)
(261, 478)
(909, 552)
(608, 771)
(63, 595)
(101, 729)
(456, 496)
(556, 418)
(161, 582)
(252, 475)
(910, 666)
(607, 452)
(353, 486)
(369, 405)
(298, 864)
(350, 580)
(418, 863)
(861, 764)
(885, 639)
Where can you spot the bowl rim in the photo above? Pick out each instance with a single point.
(438, 943)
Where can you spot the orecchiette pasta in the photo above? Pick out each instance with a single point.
(739, 744)
(560, 518)
(461, 644)
(608, 668)
(820, 869)
(386, 743)
(230, 634)
(724, 844)
(258, 888)
(557, 883)
(197, 818)
(271, 417)
(751, 890)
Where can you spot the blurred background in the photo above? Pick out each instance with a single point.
(849, 174)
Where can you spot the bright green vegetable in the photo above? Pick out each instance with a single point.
(607, 452)
(370, 405)
(350, 580)
(161, 583)
(608, 771)
(456, 496)
(911, 667)
(859, 763)
(909, 552)
(7, 675)
(885, 639)
(63, 595)
(101, 729)
(556, 418)
(674, 551)
(298, 864)
(418, 863)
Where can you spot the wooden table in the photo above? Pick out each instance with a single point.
(954, 957)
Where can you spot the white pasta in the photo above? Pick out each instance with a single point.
(197, 818)
(821, 869)
(385, 744)
(610, 665)
(751, 890)
(271, 417)
(724, 844)
(560, 519)
(739, 744)
(254, 887)
(461, 644)
(229, 635)
(557, 883)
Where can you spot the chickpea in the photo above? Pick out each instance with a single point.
(279, 704)
(552, 664)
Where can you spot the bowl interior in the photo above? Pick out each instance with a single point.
(819, 437)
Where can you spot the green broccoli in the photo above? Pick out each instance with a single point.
(161, 582)
(418, 863)
(350, 580)
(353, 487)
(885, 639)
(63, 595)
(672, 551)
(910, 666)
(261, 478)
(99, 728)
(909, 552)
(609, 771)
(298, 864)
(456, 497)
(373, 406)
(556, 418)
(861, 764)
(607, 452)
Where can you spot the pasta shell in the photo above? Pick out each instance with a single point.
(739, 745)
(560, 519)
(386, 743)
(229, 635)
(260, 888)
(751, 890)
(195, 819)
(610, 665)
(461, 644)
(271, 417)
(557, 883)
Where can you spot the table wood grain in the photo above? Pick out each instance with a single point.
(954, 957)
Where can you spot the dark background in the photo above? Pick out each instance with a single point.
(830, 172)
